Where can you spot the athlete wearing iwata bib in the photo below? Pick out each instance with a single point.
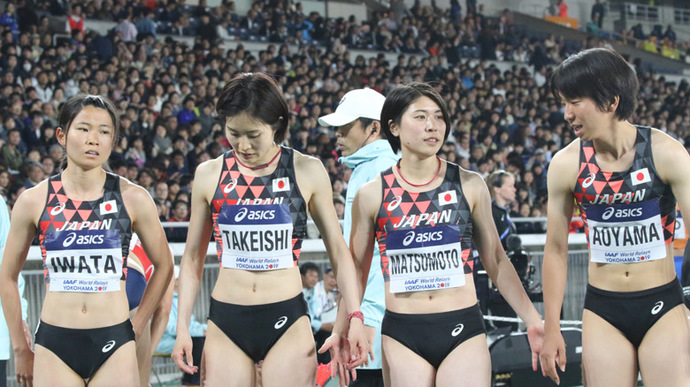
(629, 216)
(84, 244)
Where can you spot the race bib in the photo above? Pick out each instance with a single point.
(84, 261)
(626, 233)
(256, 237)
(679, 232)
(426, 258)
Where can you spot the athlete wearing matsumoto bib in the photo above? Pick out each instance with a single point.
(425, 213)
(625, 179)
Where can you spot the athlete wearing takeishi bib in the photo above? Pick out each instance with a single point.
(425, 213)
(626, 180)
(84, 229)
(254, 200)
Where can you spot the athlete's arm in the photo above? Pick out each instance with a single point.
(560, 180)
(146, 224)
(320, 199)
(159, 320)
(672, 163)
(192, 264)
(496, 262)
(22, 230)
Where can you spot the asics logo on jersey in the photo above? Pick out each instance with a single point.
(621, 213)
(82, 239)
(108, 346)
(458, 329)
(281, 322)
(588, 181)
(422, 237)
(657, 307)
(254, 215)
(394, 204)
(57, 209)
(228, 188)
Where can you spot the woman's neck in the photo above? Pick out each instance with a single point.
(83, 184)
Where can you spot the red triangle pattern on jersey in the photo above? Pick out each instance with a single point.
(589, 152)
(607, 175)
(85, 214)
(257, 190)
(583, 165)
(405, 206)
(599, 186)
(423, 205)
(69, 214)
(616, 185)
(57, 185)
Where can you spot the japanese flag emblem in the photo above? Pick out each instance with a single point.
(281, 185)
(640, 176)
(448, 197)
(109, 207)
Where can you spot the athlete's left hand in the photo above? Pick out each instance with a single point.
(359, 344)
(535, 336)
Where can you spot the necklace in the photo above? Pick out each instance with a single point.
(397, 166)
(260, 166)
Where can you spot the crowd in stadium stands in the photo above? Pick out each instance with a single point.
(167, 89)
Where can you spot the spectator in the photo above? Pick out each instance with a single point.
(324, 306)
(597, 13)
(146, 25)
(9, 19)
(180, 213)
(12, 157)
(75, 21)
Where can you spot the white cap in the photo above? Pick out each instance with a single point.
(360, 103)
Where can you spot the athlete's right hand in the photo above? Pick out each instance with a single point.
(24, 366)
(552, 353)
(182, 350)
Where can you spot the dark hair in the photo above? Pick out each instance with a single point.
(76, 104)
(400, 99)
(307, 266)
(257, 95)
(600, 74)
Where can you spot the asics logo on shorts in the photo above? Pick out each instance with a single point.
(394, 204)
(589, 181)
(458, 329)
(228, 188)
(57, 209)
(281, 322)
(657, 307)
(108, 346)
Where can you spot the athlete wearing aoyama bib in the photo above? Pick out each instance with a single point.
(629, 217)
(259, 223)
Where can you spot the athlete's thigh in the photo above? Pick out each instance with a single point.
(119, 370)
(292, 360)
(50, 370)
(664, 353)
(403, 367)
(226, 365)
(469, 364)
(608, 358)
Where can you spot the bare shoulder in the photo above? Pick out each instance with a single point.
(132, 192)
(209, 167)
(664, 145)
(306, 164)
